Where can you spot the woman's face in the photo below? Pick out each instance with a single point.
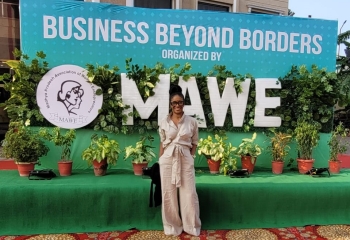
(74, 95)
(177, 104)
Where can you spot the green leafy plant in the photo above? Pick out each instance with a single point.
(307, 137)
(248, 147)
(337, 142)
(217, 149)
(102, 148)
(23, 144)
(309, 94)
(22, 85)
(64, 141)
(228, 161)
(142, 152)
(212, 148)
(111, 114)
(279, 145)
(145, 78)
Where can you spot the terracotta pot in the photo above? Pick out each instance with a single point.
(100, 168)
(24, 168)
(214, 166)
(334, 166)
(248, 162)
(277, 167)
(138, 168)
(305, 165)
(65, 168)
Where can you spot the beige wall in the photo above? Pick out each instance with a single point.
(241, 5)
(119, 2)
(9, 35)
(280, 5)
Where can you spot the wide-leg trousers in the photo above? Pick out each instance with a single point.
(178, 177)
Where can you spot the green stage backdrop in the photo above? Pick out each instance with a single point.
(266, 46)
(321, 153)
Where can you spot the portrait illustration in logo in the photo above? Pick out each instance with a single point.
(70, 95)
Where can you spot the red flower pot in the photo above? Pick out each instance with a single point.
(24, 168)
(65, 168)
(248, 162)
(277, 167)
(100, 168)
(214, 166)
(334, 166)
(305, 165)
(138, 168)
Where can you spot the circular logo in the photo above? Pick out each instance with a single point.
(66, 98)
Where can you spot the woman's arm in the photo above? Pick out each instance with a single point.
(161, 149)
(193, 149)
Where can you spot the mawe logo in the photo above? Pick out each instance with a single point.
(66, 98)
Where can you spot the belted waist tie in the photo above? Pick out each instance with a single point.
(178, 153)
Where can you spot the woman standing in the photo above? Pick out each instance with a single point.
(178, 142)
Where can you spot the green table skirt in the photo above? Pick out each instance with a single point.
(119, 201)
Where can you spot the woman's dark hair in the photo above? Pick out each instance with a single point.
(176, 90)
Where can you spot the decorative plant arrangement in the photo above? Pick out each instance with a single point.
(307, 137)
(217, 152)
(101, 152)
(24, 146)
(308, 95)
(279, 148)
(249, 150)
(64, 141)
(141, 154)
(22, 105)
(111, 114)
(337, 145)
(305, 93)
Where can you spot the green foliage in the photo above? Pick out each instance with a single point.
(306, 136)
(279, 145)
(174, 76)
(212, 148)
(59, 139)
(218, 149)
(248, 147)
(221, 74)
(23, 144)
(337, 142)
(22, 105)
(142, 152)
(308, 95)
(101, 148)
(145, 78)
(111, 114)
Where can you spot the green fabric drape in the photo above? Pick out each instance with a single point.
(119, 201)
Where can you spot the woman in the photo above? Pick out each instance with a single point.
(178, 142)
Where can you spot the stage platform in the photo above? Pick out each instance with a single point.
(119, 201)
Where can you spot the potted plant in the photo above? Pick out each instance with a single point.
(141, 154)
(64, 141)
(279, 148)
(215, 150)
(307, 137)
(228, 162)
(249, 151)
(101, 153)
(337, 145)
(24, 146)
